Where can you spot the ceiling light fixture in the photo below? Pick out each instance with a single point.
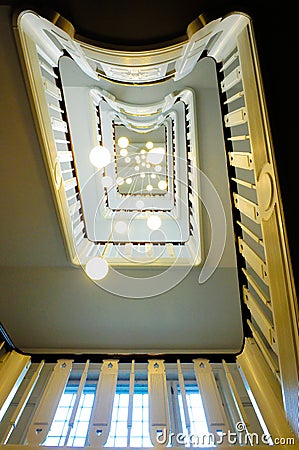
(123, 142)
(154, 222)
(107, 181)
(162, 185)
(100, 157)
(119, 181)
(155, 155)
(97, 268)
(121, 227)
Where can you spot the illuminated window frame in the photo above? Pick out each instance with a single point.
(63, 433)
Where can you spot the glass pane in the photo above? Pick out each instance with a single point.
(120, 442)
(137, 402)
(82, 429)
(124, 400)
(121, 429)
(60, 423)
(198, 423)
(79, 442)
(136, 429)
(61, 413)
(53, 441)
(136, 442)
(57, 428)
(147, 442)
(88, 400)
(123, 414)
(118, 429)
(66, 400)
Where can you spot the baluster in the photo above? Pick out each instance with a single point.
(99, 425)
(158, 403)
(214, 411)
(45, 411)
(22, 403)
(13, 369)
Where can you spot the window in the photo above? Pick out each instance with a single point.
(138, 436)
(140, 424)
(118, 430)
(61, 432)
(198, 433)
(72, 431)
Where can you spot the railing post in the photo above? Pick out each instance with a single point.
(264, 389)
(45, 411)
(213, 407)
(77, 401)
(22, 404)
(99, 425)
(158, 403)
(130, 406)
(12, 371)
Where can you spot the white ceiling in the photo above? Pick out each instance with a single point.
(45, 303)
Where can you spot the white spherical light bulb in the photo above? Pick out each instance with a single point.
(162, 185)
(100, 157)
(154, 222)
(120, 227)
(139, 204)
(107, 181)
(155, 155)
(123, 142)
(120, 181)
(97, 268)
